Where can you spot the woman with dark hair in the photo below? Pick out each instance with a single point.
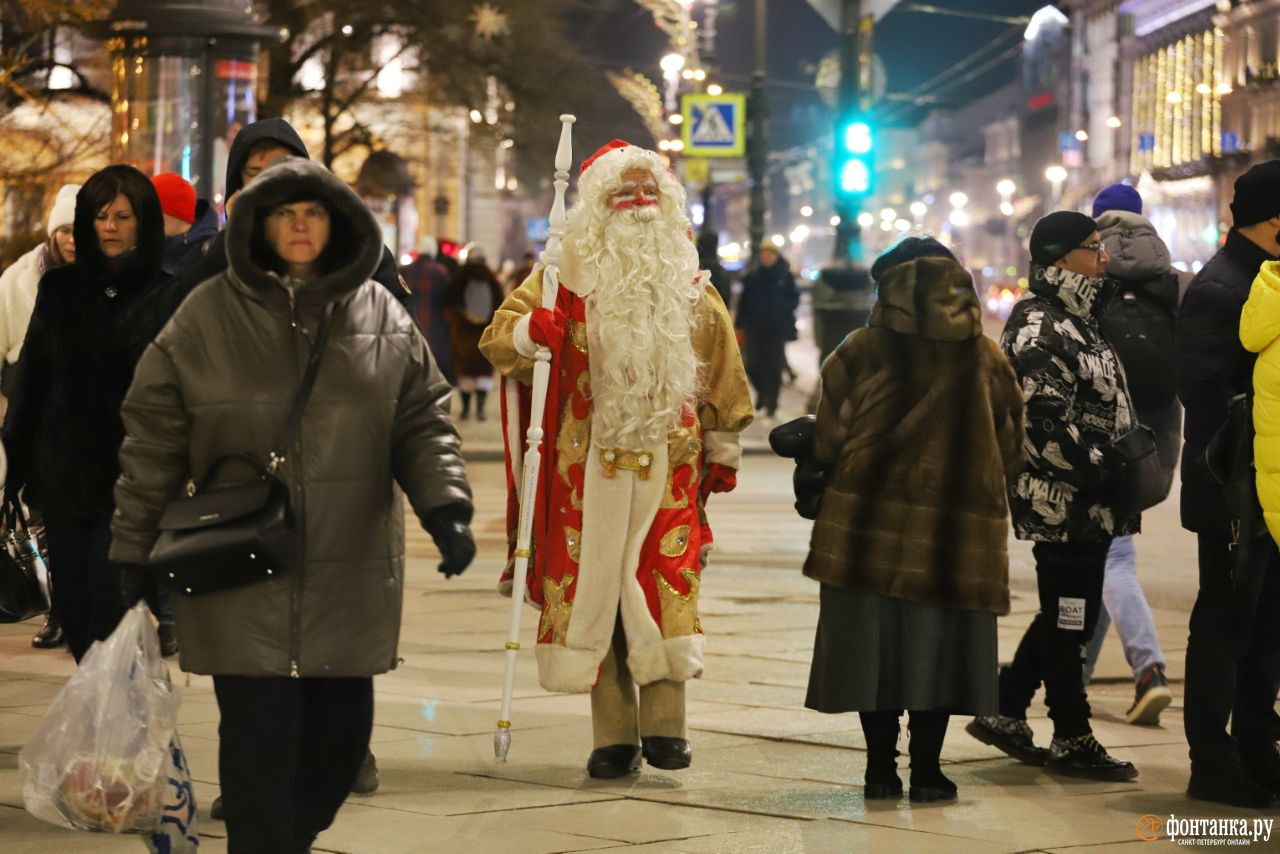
(293, 656)
(91, 322)
(919, 420)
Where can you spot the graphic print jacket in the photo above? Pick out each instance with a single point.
(1077, 403)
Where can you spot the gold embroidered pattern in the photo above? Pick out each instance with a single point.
(578, 336)
(555, 610)
(573, 542)
(679, 610)
(613, 459)
(674, 542)
(669, 499)
(583, 385)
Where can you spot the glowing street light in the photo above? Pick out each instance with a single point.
(1006, 187)
(806, 211)
(1113, 122)
(865, 220)
(958, 199)
(671, 64)
(1056, 174)
(889, 214)
(918, 209)
(715, 89)
(835, 221)
(675, 118)
(959, 218)
(1082, 135)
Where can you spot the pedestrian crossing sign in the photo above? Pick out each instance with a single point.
(714, 125)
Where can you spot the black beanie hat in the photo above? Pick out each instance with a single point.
(1058, 233)
(1257, 195)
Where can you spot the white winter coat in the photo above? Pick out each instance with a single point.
(18, 288)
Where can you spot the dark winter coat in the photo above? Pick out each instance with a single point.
(1077, 405)
(767, 305)
(220, 379)
(429, 283)
(1139, 320)
(91, 323)
(177, 247)
(920, 420)
(1212, 368)
(209, 258)
(466, 325)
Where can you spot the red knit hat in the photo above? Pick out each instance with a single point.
(605, 149)
(177, 196)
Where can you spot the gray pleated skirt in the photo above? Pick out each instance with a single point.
(875, 652)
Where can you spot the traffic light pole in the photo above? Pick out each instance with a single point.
(847, 104)
(758, 145)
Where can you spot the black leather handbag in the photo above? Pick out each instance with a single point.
(1138, 480)
(225, 537)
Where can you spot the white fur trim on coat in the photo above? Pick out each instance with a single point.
(723, 447)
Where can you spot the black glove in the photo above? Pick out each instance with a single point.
(449, 527)
(134, 583)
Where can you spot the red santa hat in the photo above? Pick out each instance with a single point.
(616, 157)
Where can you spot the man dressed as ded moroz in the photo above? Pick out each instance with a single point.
(647, 397)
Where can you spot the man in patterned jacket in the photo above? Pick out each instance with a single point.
(647, 397)
(1077, 404)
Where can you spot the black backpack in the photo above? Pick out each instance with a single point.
(1139, 322)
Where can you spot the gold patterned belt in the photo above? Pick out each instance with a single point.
(637, 461)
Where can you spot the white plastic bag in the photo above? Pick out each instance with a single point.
(105, 757)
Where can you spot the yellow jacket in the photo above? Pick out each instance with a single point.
(1260, 333)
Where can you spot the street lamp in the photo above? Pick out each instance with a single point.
(1005, 187)
(1056, 175)
(918, 209)
(715, 89)
(671, 65)
(806, 211)
(958, 199)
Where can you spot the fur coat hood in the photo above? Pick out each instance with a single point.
(1136, 251)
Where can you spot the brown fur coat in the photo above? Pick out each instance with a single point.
(920, 420)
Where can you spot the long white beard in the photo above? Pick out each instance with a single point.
(639, 325)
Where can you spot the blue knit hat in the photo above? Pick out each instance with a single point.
(1117, 197)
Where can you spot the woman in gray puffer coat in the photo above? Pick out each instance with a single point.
(292, 657)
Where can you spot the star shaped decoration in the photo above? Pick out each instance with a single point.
(490, 23)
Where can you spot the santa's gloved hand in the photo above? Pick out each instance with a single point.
(133, 583)
(719, 478)
(449, 527)
(547, 327)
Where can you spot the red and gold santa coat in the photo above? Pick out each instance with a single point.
(617, 534)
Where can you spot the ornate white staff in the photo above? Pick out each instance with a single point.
(533, 438)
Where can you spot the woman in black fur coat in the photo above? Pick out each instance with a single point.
(91, 323)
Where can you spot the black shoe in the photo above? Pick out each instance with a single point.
(215, 808)
(1083, 756)
(1011, 735)
(616, 760)
(50, 634)
(168, 639)
(669, 754)
(1151, 696)
(1263, 766)
(1231, 786)
(881, 782)
(928, 785)
(368, 778)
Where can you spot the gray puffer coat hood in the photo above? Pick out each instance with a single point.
(220, 378)
(1136, 251)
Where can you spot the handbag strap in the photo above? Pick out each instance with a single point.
(277, 457)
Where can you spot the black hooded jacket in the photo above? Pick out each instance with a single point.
(91, 323)
(209, 258)
(178, 246)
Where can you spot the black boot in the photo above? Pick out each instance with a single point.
(480, 398)
(928, 783)
(881, 731)
(50, 634)
(466, 406)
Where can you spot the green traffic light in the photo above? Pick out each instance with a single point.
(855, 177)
(857, 138)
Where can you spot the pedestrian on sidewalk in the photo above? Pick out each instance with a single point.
(292, 659)
(1233, 652)
(188, 221)
(474, 295)
(1139, 321)
(649, 398)
(1077, 405)
(920, 419)
(91, 322)
(767, 318)
(429, 282)
(18, 287)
